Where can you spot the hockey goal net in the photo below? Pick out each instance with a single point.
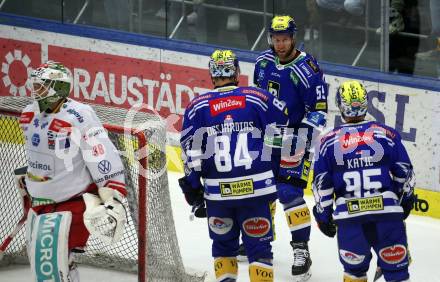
(149, 245)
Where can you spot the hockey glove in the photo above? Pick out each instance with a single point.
(105, 216)
(326, 227)
(287, 193)
(193, 196)
(408, 204)
(198, 210)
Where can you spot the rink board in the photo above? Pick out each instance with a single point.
(123, 69)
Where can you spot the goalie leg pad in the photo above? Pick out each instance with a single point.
(30, 222)
(226, 269)
(49, 253)
(260, 272)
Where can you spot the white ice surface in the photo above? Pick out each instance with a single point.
(195, 246)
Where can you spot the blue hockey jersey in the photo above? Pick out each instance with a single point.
(300, 84)
(365, 170)
(227, 139)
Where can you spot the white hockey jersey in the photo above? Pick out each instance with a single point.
(67, 152)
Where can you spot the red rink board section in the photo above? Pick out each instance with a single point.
(17, 59)
(122, 82)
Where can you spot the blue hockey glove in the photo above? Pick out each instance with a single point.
(287, 192)
(326, 227)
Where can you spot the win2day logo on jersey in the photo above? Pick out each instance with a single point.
(220, 105)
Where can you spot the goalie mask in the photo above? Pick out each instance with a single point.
(50, 84)
(352, 99)
(223, 63)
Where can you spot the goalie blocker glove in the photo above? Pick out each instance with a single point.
(328, 228)
(194, 197)
(105, 216)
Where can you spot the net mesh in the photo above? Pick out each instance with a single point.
(150, 210)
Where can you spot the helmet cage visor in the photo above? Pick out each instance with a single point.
(42, 88)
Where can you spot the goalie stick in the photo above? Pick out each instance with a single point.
(26, 205)
(11, 236)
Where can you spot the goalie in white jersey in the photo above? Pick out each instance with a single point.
(75, 176)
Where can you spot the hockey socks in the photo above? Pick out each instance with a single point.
(351, 278)
(298, 219)
(226, 269)
(260, 272)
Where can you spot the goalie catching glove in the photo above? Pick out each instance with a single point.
(105, 216)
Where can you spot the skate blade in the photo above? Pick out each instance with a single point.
(303, 277)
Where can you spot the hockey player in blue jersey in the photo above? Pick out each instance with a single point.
(295, 78)
(228, 137)
(364, 185)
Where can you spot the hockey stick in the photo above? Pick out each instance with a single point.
(11, 236)
(26, 205)
(378, 274)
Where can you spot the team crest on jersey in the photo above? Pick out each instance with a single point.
(365, 204)
(237, 188)
(36, 122)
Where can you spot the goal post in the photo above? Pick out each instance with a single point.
(149, 246)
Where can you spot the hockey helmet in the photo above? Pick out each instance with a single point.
(51, 82)
(352, 99)
(281, 25)
(223, 63)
